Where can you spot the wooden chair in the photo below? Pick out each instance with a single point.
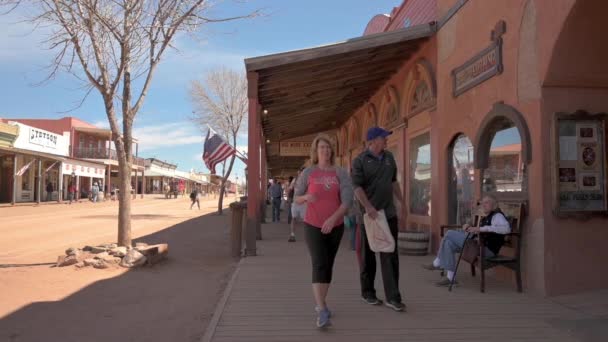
(514, 212)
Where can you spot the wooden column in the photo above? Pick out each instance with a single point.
(143, 183)
(263, 181)
(14, 197)
(253, 211)
(39, 182)
(109, 181)
(77, 194)
(60, 184)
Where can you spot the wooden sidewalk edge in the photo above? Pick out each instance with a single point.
(221, 305)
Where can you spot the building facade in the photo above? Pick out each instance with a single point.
(483, 97)
(90, 143)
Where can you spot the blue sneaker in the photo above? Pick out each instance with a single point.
(323, 319)
(318, 309)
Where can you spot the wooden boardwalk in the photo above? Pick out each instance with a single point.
(270, 299)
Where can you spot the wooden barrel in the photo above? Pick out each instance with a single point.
(413, 242)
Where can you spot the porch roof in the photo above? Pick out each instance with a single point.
(313, 90)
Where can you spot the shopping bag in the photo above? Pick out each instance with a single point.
(378, 233)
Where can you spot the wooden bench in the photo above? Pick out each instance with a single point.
(514, 212)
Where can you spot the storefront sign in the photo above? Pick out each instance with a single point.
(84, 170)
(481, 67)
(581, 163)
(43, 138)
(295, 149)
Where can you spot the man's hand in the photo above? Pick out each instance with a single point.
(328, 225)
(372, 212)
(466, 226)
(473, 230)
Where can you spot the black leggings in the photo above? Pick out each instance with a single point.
(323, 249)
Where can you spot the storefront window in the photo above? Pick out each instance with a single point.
(420, 175)
(506, 170)
(461, 181)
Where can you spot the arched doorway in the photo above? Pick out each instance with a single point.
(461, 179)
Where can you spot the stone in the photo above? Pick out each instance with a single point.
(80, 265)
(133, 259)
(100, 264)
(71, 251)
(119, 251)
(64, 260)
(87, 249)
(102, 255)
(98, 249)
(155, 253)
(89, 262)
(110, 259)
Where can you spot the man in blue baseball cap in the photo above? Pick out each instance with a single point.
(374, 174)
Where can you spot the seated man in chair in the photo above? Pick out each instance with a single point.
(493, 222)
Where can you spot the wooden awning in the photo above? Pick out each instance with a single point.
(312, 90)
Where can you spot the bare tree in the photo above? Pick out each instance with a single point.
(115, 46)
(221, 102)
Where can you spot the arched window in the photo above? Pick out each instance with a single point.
(420, 175)
(460, 185)
(503, 150)
(505, 171)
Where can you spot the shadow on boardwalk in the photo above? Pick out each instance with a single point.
(172, 301)
(271, 300)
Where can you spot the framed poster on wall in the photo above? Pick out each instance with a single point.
(581, 175)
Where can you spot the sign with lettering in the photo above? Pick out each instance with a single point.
(43, 138)
(581, 160)
(294, 148)
(84, 170)
(481, 67)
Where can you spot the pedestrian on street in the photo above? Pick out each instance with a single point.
(49, 191)
(327, 192)
(195, 197)
(71, 192)
(374, 175)
(276, 192)
(95, 192)
(296, 211)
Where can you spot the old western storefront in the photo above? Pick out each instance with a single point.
(488, 100)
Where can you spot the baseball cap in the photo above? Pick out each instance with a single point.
(376, 132)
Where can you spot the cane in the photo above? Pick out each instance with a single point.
(466, 239)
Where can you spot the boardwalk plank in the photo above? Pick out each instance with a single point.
(271, 300)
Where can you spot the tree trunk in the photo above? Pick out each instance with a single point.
(124, 203)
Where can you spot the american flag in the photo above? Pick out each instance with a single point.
(216, 150)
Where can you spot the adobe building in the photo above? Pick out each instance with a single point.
(500, 97)
(88, 142)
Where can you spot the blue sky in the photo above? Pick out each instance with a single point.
(162, 125)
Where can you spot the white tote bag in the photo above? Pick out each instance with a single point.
(378, 233)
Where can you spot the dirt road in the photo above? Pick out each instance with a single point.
(172, 301)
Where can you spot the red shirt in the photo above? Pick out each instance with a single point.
(325, 186)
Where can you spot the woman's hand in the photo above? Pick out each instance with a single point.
(329, 225)
(310, 198)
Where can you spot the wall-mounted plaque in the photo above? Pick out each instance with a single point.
(581, 163)
(482, 66)
(295, 148)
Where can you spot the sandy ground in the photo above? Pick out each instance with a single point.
(172, 301)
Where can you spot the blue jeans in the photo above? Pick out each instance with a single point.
(276, 209)
(452, 243)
